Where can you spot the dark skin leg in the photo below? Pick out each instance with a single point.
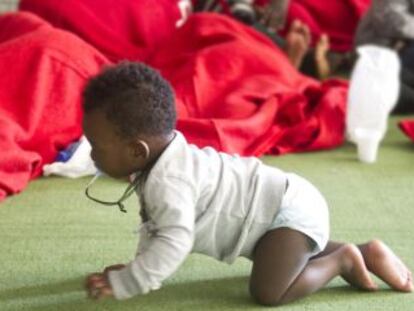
(284, 271)
(381, 261)
(321, 58)
(297, 42)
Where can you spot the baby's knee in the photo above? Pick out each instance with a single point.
(266, 296)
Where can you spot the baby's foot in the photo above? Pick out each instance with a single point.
(353, 269)
(382, 261)
(297, 42)
(321, 57)
(322, 46)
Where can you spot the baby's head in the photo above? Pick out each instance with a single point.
(129, 117)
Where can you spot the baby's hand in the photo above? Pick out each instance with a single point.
(97, 284)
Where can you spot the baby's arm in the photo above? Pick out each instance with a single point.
(170, 207)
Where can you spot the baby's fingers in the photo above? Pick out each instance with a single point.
(95, 279)
(100, 293)
(105, 292)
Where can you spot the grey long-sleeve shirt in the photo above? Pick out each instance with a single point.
(203, 201)
(386, 22)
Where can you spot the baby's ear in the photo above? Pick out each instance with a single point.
(141, 149)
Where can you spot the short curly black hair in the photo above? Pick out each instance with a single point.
(134, 97)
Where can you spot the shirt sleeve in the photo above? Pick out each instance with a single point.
(170, 206)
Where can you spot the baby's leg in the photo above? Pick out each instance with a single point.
(323, 68)
(382, 262)
(283, 270)
(298, 40)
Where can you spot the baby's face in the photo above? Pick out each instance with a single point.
(110, 153)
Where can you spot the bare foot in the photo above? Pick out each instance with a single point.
(382, 261)
(321, 57)
(297, 42)
(353, 269)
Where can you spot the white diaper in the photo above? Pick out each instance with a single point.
(304, 209)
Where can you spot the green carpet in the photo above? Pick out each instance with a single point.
(51, 236)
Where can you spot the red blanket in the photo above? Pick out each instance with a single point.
(41, 72)
(407, 127)
(338, 19)
(129, 29)
(237, 92)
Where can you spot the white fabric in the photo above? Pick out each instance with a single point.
(202, 201)
(304, 209)
(80, 163)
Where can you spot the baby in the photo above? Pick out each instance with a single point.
(204, 201)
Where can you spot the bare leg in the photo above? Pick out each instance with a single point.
(382, 262)
(283, 272)
(323, 67)
(297, 42)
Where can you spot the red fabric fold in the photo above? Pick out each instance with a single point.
(237, 92)
(338, 19)
(407, 126)
(133, 29)
(122, 30)
(42, 71)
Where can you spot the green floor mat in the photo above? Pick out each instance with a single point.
(51, 236)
